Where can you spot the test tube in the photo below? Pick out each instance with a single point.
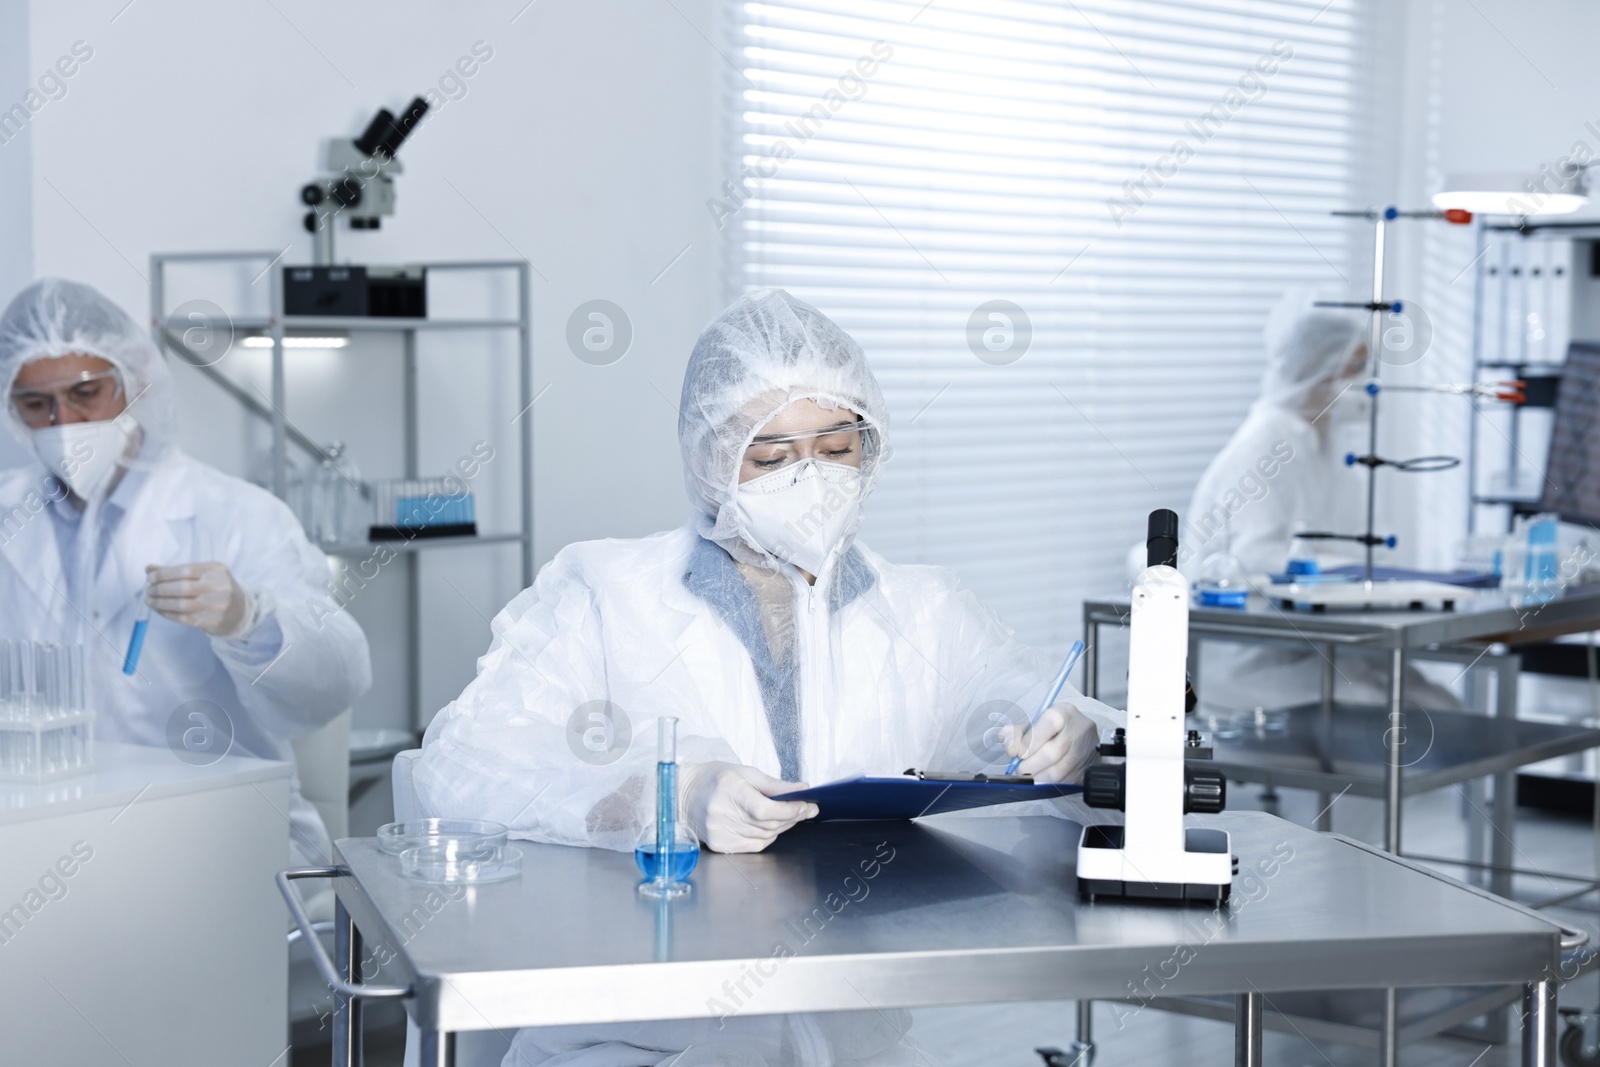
(141, 622)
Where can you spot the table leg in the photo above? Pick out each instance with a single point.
(1503, 814)
(1091, 659)
(1083, 1047)
(1475, 793)
(1325, 739)
(1247, 1031)
(438, 1049)
(1389, 1050)
(347, 1050)
(1394, 741)
(1539, 1024)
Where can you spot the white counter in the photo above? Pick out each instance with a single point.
(138, 918)
(123, 774)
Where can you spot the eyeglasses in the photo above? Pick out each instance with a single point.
(92, 396)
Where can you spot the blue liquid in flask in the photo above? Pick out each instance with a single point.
(685, 858)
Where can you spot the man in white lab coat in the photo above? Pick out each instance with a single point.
(241, 652)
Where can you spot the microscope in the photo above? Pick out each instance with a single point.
(359, 188)
(362, 185)
(1154, 856)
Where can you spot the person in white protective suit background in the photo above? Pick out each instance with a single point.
(789, 651)
(1282, 473)
(115, 514)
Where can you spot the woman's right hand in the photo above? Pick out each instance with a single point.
(730, 806)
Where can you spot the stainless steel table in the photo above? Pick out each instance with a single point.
(959, 910)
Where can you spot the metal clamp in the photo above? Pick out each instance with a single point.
(1570, 940)
(319, 955)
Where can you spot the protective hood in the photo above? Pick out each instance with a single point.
(763, 353)
(1307, 349)
(53, 318)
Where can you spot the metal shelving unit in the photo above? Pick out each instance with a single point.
(277, 324)
(1490, 357)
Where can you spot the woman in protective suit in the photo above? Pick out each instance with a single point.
(1282, 473)
(788, 650)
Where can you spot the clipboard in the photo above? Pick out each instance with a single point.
(911, 798)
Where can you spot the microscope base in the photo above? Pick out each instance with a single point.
(1201, 874)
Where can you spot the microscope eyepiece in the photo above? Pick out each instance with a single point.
(386, 133)
(1161, 542)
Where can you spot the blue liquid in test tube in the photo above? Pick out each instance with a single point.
(141, 622)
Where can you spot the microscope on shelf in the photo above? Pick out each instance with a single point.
(1154, 856)
(359, 188)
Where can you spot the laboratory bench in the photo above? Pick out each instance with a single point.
(138, 922)
(960, 910)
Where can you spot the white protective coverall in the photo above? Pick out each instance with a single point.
(304, 662)
(894, 666)
(1284, 472)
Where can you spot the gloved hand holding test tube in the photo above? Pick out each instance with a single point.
(1050, 697)
(141, 622)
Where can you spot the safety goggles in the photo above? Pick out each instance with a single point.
(91, 395)
(850, 426)
(849, 442)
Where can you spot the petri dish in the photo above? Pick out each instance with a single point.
(1270, 720)
(450, 862)
(395, 837)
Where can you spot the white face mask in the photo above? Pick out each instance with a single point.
(800, 513)
(83, 454)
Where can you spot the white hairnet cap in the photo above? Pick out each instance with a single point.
(763, 353)
(1307, 347)
(53, 318)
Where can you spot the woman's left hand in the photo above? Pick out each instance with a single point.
(1059, 748)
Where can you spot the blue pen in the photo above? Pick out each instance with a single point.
(141, 622)
(1050, 698)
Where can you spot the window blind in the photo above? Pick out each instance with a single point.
(1133, 181)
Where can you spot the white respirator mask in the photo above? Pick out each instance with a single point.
(801, 512)
(83, 454)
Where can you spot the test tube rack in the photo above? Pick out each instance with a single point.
(46, 728)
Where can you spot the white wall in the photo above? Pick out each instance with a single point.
(585, 145)
(16, 169)
(1489, 85)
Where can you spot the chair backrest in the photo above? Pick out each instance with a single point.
(322, 760)
(406, 804)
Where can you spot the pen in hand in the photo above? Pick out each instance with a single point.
(1050, 697)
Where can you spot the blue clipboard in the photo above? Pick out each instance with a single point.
(911, 798)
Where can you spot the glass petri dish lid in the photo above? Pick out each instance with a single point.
(448, 861)
(396, 837)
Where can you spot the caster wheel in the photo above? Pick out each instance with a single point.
(1078, 1055)
(1571, 1048)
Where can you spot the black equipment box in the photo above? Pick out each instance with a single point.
(356, 292)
